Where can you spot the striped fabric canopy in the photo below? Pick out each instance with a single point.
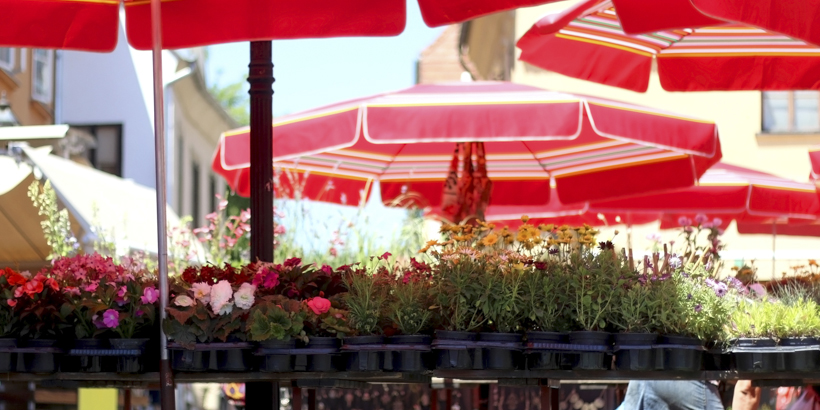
(587, 41)
(592, 148)
(724, 191)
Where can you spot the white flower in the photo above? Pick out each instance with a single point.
(183, 300)
(244, 296)
(220, 295)
(226, 309)
(202, 292)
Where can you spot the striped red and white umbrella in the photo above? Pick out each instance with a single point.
(724, 191)
(592, 148)
(587, 41)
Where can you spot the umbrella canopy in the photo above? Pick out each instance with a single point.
(592, 148)
(725, 192)
(91, 25)
(587, 41)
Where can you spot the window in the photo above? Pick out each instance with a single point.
(195, 193)
(42, 75)
(791, 111)
(7, 58)
(105, 153)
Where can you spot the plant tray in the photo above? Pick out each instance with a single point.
(105, 352)
(296, 351)
(567, 348)
(212, 346)
(385, 348)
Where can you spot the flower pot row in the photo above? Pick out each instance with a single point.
(767, 355)
(87, 356)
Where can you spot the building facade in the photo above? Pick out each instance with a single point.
(27, 78)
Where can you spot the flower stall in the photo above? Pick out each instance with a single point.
(538, 302)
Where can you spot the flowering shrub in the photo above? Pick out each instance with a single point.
(276, 318)
(37, 303)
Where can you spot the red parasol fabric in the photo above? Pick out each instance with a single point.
(814, 158)
(593, 148)
(587, 41)
(91, 25)
(725, 192)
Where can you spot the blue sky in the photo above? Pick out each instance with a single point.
(312, 73)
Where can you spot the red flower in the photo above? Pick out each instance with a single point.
(292, 262)
(12, 302)
(190, 274)
(33, 287)
(318, 305)
(16, 279)
(53, 284)
(385, 255)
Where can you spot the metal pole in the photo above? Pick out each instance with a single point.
(258, 394)
(166, 377)
(774, 239)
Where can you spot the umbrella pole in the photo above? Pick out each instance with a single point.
(261, 395)
(166, 377)
(774, 239)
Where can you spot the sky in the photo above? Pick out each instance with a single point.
(312, 73)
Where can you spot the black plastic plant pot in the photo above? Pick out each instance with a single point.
(684, 354)
(277, 363)
(799, 360)
(634, 351)
(589, 338)
(500, 358)
(749, 360)
(86, 363)
(189, 360)
(8, 360)
(364, 360)
(44, 361)
(409, 361)
(455, 359)
(129, 363)
(545, 360)
(589, 361)
(322, 362)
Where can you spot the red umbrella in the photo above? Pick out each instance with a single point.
(92, 25)
(592, 148)
(587, 41)
(814, 157)
(725, 191)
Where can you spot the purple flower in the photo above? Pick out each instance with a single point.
(684, 221)
(663, 277)
(721, 289)
(689, 296)
(674, 262)
(717, 222)
(553, 251)
(111, 318)
(735, 283)
(698, 308)
(700, 219)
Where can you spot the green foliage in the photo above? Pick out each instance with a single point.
(409, 307)
(545, 292)
(502, 300)
(56, 226)
(234, 99)
(365, 298)
(271, 321)
(458, 293)
(639, 309)
(593, 280)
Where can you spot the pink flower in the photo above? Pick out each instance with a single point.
(385, 256)
(700, 218)
(202, 292)
(18, 292)
(220, 295)
(11, 302)
(139, 313)
(318, 305)
(149, 295)
(717, 222)
(92, 286)
(327, 269)
(122, 291)
(183, 300)
(111, 318)
(245, 215)
(684, 221)
(72, 290)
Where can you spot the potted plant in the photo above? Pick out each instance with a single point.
(42, 322)
(456, 294)
(546, 321)
(9, 319)
(593, 279)
(754, 328)
(502, 305)
(276, 322)
(208, 308)
(799, 329)
(410, 315)
(365, 297)
(326, 323)
(636, 315)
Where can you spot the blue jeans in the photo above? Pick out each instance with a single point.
(671, 395)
